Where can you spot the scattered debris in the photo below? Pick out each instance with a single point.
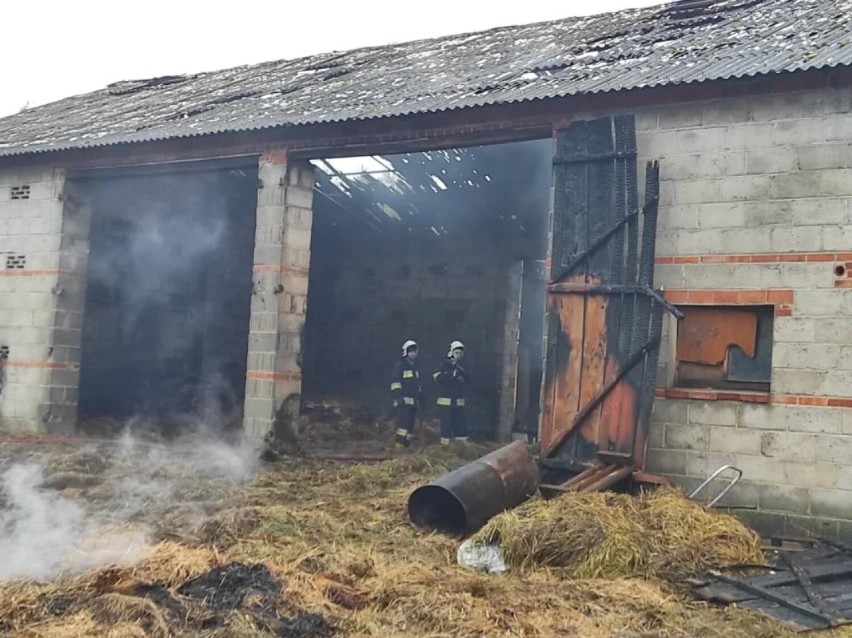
(485, 557)
(806, 590)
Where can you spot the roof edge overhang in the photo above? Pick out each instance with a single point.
(449, 128)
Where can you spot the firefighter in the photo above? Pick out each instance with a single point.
(452, 380)
(406, 392)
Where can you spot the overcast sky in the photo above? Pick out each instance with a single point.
(52, 49)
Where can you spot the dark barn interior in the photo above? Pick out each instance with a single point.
(432, 246)
(168, 290)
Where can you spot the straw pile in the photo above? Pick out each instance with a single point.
(315, 549)
(605, 535)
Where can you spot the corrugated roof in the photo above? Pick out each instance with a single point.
(682, 42)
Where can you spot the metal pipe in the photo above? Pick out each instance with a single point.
(462, 501)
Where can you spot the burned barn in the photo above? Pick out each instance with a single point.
(639, 223)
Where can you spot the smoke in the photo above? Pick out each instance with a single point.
(37, 527)
(169, 258)
(153, 240)
(45, 533)
(168, 288)
(166, 259)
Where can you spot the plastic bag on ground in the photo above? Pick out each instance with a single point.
(481, 556)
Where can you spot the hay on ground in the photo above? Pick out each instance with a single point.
(337, 541)
(113, 609)
(605, 535)
(70, 479)
(171, 564)
(690, 537)
(81, 625)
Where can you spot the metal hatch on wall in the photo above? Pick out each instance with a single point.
(604, 319)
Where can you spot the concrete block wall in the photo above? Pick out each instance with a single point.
(282, 256)
(756, 207)
(60, 410)
(39, 313)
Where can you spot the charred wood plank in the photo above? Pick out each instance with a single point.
(835, 593)
(599, 243)
(594, 157)
(829, 620)
(828, 570)
(807, 585)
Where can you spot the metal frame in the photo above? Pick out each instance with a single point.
(709, 479)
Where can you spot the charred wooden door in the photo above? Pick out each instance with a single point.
(604, 320)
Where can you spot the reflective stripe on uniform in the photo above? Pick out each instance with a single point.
(408, 400)
(402, 432)
(408, 374)
(444, 401)
(460, 403)
(396, 386)
(445, 441)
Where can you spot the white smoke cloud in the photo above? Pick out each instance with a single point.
(37, 527)
(43, 534)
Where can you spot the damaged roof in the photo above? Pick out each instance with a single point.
(677, 43)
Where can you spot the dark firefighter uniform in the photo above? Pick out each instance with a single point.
(406, 391)
(452, 381)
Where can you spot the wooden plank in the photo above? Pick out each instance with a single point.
(782, 596)
(602, 190)
(824, 570)
(796, 621)
(625, 201)
(610, 406)
(791, 620)
(586, 477)
(805, 610)
(552, 337)
(838, 590)
(624, 427)
(815, 597)
(811, 555)
(594, 363)
(609, 479)
(569, 365)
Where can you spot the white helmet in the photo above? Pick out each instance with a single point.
(407, 346)
(455, 345)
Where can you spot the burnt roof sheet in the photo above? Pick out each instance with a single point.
(681, 42)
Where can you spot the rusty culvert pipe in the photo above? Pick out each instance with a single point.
(463, 500)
